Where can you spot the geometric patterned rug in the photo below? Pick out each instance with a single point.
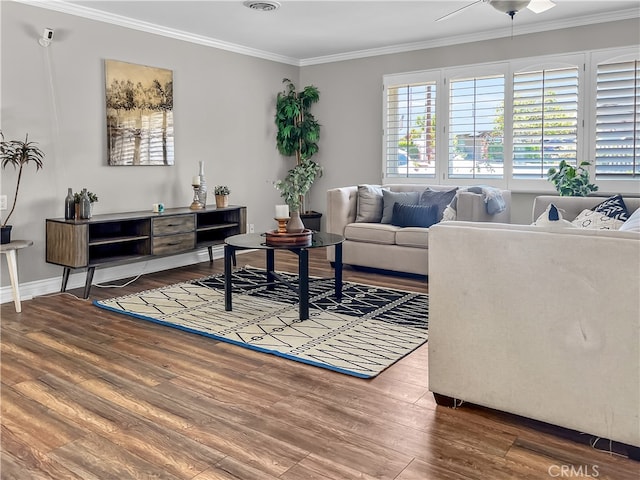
(369, 330)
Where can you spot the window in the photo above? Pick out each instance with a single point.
(506, 123)
(410, 130)
(476, 127)
(544, 120)
(618, 120)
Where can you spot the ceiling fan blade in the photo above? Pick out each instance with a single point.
(449, 15)
(539, 6)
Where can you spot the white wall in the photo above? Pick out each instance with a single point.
(223, 110)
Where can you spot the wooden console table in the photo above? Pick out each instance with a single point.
(128, 237)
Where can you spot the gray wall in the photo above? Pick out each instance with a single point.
(224, 105)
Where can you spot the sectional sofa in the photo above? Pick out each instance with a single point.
(543, 321)
(375, 243)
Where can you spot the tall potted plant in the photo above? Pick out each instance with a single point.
(297, 136)
(17, 153)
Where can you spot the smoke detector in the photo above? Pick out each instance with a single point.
(264, 6)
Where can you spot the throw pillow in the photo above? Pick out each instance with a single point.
(596, 221)
(440, 198)
(389, 199)
(633, 223)
(369, 203)
(613, 207)
(552, 217)
(414, 215)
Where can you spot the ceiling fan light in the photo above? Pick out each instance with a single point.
(262, 6)
(510, 7)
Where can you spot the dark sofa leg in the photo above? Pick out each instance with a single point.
(444, 400)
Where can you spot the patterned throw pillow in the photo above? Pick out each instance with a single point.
(593, 220)
(414, 215)
(613, 207)
(552, 218)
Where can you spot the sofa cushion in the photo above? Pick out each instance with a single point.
(369, 203)
(596, 221)
(633, 223)
(439, 198)
(413, 237)
(371, 232)
(613, 207)
(414, 215)
(552, 218)
(389, 199)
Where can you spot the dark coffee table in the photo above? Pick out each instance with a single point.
(256, 241)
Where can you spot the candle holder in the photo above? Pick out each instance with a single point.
(195, 204)
(282, 224)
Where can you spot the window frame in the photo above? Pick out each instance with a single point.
(586, 62)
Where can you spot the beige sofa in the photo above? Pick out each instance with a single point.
(543, 322)
(388, 247)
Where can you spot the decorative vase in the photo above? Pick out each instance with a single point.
(202, 191)
(295, 225)
(85, 205)
(5, 234)
(222, 201)
(69, 206)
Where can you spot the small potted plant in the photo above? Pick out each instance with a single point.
(571, 181)
(77, 196)
(17, 153)
(222, 195)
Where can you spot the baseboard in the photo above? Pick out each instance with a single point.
(28, 290)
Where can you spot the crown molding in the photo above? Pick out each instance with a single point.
(93, 14)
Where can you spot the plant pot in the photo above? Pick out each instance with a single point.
(295, 225)
(5, 234)
(311, 220)
(222, 201)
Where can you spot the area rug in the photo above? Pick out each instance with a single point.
(365, 333)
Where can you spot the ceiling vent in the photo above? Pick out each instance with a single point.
(267, 6)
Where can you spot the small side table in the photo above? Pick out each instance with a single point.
(10, 249)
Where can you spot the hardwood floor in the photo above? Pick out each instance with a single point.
(90, 394)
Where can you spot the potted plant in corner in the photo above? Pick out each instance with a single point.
(17, 153)
(222, 195)
(571, 181)
(298, 134)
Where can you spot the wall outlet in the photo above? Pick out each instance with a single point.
(252, 228)
(3, 202)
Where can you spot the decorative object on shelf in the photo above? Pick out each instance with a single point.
(571, 181)
(69, 206)
(222, 195)
(77, 199)
(195, 204)
(85, 205)
(298, 134)
(282, 217)
(295, 225)
(158, 207)
(202, 191)
(139, 101)
(17, 153)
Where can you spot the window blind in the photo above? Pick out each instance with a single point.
(545, 120)
(618, 120)
(410, 130)
(476, 127)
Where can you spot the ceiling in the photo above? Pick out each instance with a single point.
(308, 32)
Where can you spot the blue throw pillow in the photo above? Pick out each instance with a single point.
(414, 215)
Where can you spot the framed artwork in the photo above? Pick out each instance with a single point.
(139, 102)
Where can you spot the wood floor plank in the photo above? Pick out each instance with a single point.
(91, 394)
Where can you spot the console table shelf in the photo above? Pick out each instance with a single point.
(110, 239)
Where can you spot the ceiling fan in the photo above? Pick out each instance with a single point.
(510, 7)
